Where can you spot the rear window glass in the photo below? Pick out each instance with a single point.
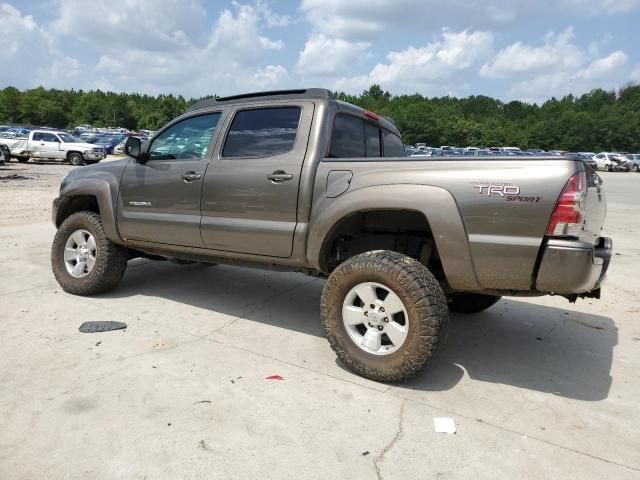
(347, 139)
(262, 133)
(393, 146)
(372, 137)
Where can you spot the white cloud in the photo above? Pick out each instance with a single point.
(556, 53)
(150, 25)
(176, 51)
(273, 19)
(26, 44)
(325, 56)
(366, 19)
(557, 67)
(425, 69)
(270, 76)
(601, 68)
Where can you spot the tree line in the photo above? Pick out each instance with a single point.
(596, 121)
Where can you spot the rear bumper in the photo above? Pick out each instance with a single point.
(573, 267)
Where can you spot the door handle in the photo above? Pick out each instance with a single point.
(191, 176)
(279, 176)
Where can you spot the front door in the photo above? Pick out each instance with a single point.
(250, 194)
(159, 200)
(45, 145)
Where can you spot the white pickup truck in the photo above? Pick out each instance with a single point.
(41, 144)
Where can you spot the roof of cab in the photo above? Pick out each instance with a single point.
(309, 93)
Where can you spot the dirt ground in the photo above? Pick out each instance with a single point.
(538, 388)
(27, 190)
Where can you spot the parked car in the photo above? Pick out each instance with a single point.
(478, 153)
(108, 142)
(510, 149)
(634, 161)
(312, 184)
(15, 132)
(55, 145)
(536, 151)
(612, 162)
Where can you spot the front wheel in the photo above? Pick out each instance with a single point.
(22, 159)
(385, 315)
(471, 302)
(636, 168)
(75, 159)
(83, 259)
(607, 168)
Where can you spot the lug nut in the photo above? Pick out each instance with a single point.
(385, 320)
(380, 327)
(366, 314)
(372, 306)
(370, 324)
(382, 309)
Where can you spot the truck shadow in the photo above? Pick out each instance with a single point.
(546, 349)
(553, 350)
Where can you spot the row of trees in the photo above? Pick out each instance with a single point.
(599, 120)
(69, 108)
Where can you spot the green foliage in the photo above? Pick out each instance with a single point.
(70, 108)
(595, 121)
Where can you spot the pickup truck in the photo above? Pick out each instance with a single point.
(41, 144)
(300, 181)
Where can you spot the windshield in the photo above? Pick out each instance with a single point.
(65, 137)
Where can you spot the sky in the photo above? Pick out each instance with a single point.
(527, 50)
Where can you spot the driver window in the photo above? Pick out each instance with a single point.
(186, 140)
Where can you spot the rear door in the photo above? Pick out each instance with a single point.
(159, 200)
(250, 192)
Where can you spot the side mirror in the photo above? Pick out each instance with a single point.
(133, 148)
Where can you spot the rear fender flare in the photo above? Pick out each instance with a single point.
(435, 203)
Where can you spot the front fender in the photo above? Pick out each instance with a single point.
(436, 204)
(105, 192)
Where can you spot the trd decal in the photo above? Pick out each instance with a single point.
(510, 193)
(500, 190)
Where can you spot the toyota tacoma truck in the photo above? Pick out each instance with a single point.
(49, 144)
(300, 181)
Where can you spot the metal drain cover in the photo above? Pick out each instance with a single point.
(96, 327)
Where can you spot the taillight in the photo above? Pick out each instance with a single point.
(567, 217)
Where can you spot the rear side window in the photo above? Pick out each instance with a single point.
(353, 137)
(262, 132)
(347, 139)
(393, 146)
(372, 138)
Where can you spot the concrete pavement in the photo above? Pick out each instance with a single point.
(539, 388)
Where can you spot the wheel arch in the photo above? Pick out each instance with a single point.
(434, 205)
(93, 195)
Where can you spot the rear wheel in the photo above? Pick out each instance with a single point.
(607, 167)
(384, 314)
(636, 168)
(471, 302)
(83, 259)
(22, 159)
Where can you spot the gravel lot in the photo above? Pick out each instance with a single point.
(538, 388)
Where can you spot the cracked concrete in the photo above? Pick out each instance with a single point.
(182, 393)
(378, 460)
